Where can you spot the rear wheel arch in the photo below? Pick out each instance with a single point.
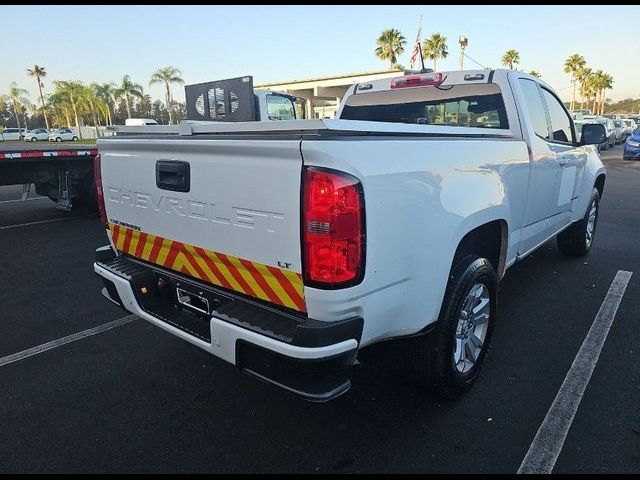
(489, 240)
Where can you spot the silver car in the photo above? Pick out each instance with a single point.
(628, 126)
(62, 134)
(36, 134)
(618, 130)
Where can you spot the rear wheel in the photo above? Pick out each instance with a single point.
(449, 358)
(576, 241)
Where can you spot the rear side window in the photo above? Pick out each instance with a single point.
(478, 105)
(560, 120)
(534, 104)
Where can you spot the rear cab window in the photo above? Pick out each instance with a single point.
(457, 105)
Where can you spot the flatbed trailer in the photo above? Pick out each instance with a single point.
(63, 173)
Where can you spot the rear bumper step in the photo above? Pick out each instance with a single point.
(302, 355)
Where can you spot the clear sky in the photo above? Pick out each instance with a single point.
(273, 43)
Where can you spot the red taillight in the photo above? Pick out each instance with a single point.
(97, 176)
(332, 229)
(419, 80)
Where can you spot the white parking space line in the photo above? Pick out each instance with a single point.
(25, 200)
(547, 444)
(59, 219)
(64, 340)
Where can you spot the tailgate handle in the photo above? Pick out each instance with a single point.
(173, 175)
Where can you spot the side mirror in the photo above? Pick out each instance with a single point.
(593, 134)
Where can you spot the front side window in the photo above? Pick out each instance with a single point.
(478, 105)
(560, 120)
(280, 107)
(533, 101)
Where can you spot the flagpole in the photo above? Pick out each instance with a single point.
(420, 44)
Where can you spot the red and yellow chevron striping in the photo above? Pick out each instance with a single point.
(272, 284)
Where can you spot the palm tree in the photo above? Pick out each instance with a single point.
(390, 44)
(434, 48)
(591, 88)
(126, 90)
(106, 93)
(61, 107)
(595, 84)
(17, 97)
(535, 73)
(90, 98)
(510, 58)
(606, 84)
(39, 73)
(571, 66)
(73, 91)
(581, 76)
(33, 110)
(167, 75)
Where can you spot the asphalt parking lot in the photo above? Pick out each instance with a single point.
(133, 398)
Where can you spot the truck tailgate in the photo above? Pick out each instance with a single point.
(224, 211)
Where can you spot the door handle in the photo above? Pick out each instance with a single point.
(173, 175)
(563, 161)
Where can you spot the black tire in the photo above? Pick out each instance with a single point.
(574, 242)
(34, 139)
(75, 139)
(58, 139)
(431, 356)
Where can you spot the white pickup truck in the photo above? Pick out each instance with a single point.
(285, 247)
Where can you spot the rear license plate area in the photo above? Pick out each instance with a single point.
(185, 305)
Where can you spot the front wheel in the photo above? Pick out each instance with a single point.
(58, 139)
(75, 139)
(449, 358)
(34, 139)
(576, 241)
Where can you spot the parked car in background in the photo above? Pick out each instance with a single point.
(628, 126)
(15, 134)
(618, 130)
(610, 130)
(62, 135)
(632, 146)
(37, 134)
(140, 121)
(580, 113)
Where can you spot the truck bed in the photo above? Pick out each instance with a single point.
(318, 127)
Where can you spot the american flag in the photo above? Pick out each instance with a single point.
(415, 53)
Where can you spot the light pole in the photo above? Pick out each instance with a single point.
(464, 41)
